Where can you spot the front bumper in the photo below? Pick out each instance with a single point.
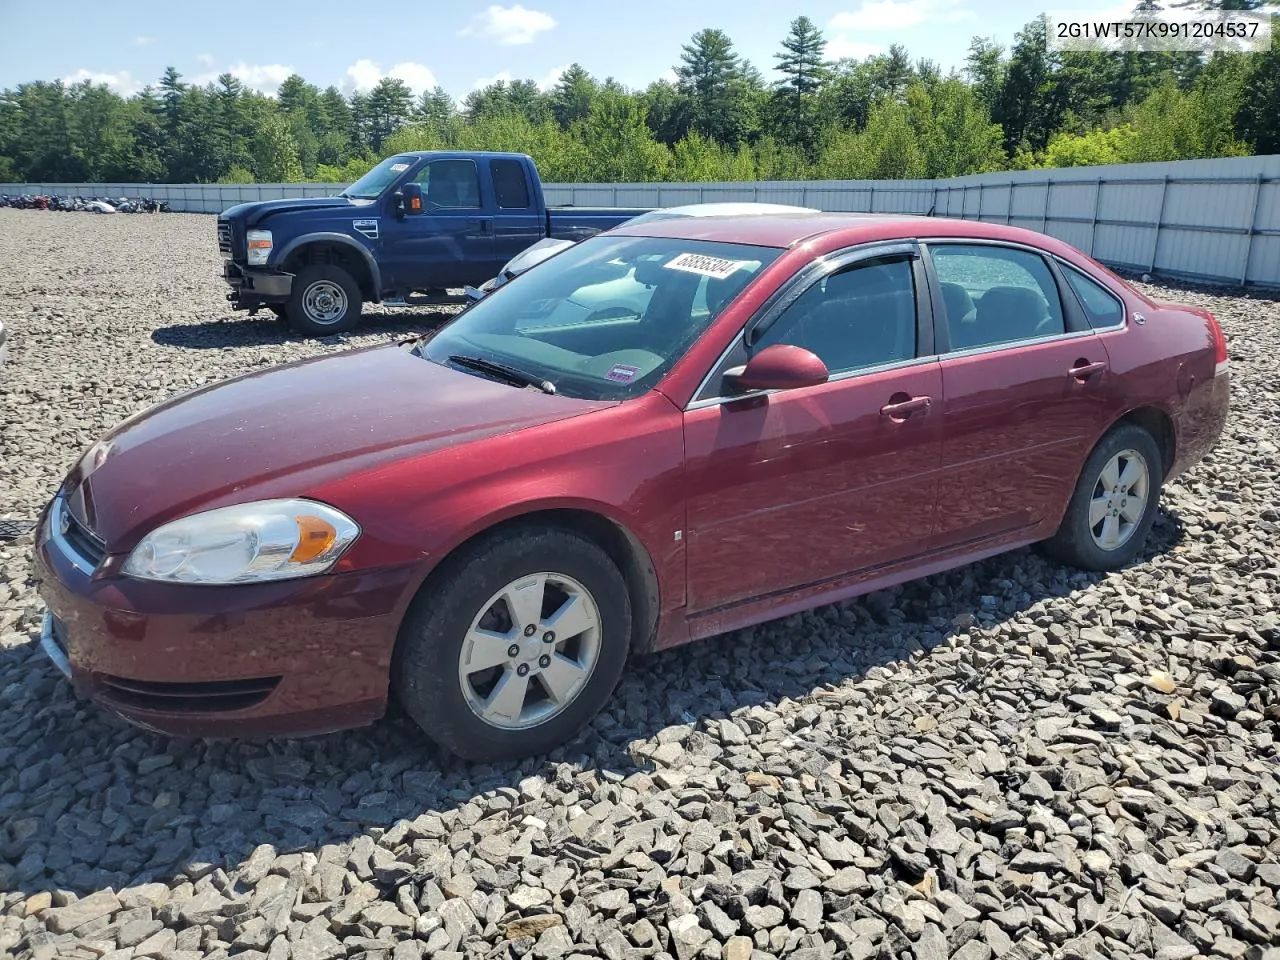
(289, 658)
(251, 286)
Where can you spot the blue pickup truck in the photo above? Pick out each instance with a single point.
(413, 227)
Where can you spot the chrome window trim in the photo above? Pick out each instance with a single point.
(788, 293)
(1066, 265)
(57, 509)
(1008, 344)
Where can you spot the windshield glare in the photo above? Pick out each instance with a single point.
(371, 185)
(608, 318)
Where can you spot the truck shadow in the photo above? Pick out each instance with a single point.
(266, 329)
(88, 802)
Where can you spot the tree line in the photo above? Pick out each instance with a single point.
(883, 117)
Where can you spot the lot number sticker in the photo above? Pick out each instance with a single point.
(704, 266)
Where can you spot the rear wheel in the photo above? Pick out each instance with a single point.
(516, 646)
(1114, 504)
(325, 300)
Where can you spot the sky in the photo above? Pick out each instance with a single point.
(460, 45)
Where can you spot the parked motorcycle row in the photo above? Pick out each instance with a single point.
(85, 204)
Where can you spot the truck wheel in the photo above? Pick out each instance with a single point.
(325, 300)
(513, 649)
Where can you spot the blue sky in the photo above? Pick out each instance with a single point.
(460, 45)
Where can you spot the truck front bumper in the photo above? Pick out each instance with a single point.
(254, 286)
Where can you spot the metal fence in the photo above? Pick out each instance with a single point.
(1213, 220)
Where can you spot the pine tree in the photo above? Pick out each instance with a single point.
(800, 61)
(711, 77)
(572, 96)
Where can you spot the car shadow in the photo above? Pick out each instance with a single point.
(88, 802)
(266, 329)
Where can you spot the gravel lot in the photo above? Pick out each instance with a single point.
(1009, 760)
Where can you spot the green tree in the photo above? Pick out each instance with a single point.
(386, 110)
(572, 96)
(1257, 117)
(712, 78)
(791, 114)
(275, 155)
(985, 67)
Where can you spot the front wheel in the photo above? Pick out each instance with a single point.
(517, 645)
(324, 300)
(1114, 504)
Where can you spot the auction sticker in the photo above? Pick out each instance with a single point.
(622, 373)
(704, 266)
(399, 167)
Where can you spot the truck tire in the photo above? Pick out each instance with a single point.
(325, 300)
(559, 613)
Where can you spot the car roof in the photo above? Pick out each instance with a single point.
(827, 230)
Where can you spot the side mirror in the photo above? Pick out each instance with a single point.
(779, 367)
(409, 199)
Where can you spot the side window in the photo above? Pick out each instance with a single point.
(993, 295)
(450, 183)
(862, 316)
(510, 185)
(1100, 305)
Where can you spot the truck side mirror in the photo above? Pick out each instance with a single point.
(409, 199)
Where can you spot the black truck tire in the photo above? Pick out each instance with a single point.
(325, 300)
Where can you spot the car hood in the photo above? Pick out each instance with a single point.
(259, 210)
(287, 430)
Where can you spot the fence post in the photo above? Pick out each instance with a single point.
(1155, 246)
(613, 196)
(871, 200)
(804, 196)
(1093, 224)
(1253, 228)
(1044, 214)
(1008, 210)
(982, 192)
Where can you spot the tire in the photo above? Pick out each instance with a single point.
(325, 300)
(1124, 522)
(281, 310)
(443, 677)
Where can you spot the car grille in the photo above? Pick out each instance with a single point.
(224, 238)
(75, 538)
(210, 696)
(59, 634)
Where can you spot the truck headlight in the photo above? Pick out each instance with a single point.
(245, 543)
(259, 247)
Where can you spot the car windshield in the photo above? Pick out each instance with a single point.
(371, 185)
(606, 319)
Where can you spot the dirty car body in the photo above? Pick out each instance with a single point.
(805, 408)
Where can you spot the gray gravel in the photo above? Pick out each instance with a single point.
(1008, 760)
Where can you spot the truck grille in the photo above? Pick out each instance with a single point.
(224, 238)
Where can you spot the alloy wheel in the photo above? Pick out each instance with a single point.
(1119, 499)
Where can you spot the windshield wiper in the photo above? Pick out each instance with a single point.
(510, 374)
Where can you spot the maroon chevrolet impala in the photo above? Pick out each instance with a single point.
(668, 431)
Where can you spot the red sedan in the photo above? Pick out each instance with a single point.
(669, 431)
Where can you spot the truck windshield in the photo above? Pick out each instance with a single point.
(606, 319)
(371, 185)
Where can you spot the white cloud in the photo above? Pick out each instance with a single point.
(510, 26)
(841, 46)
(262, 77)
(205, 59)
(141, 41)
(122, 82)
(898, 14)
(482, 82)
(363, 75)
(553, 76)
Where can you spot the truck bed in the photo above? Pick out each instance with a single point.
(578, 223)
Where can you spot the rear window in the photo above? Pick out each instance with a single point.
(510, 185)
(1101, 306)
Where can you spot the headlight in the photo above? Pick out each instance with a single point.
(259, 247)
(246, 543)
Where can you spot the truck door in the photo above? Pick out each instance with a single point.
(519, 221)
(450, 243)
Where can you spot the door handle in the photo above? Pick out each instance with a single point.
(1083, 369)
(486, 226)
(899, 410)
